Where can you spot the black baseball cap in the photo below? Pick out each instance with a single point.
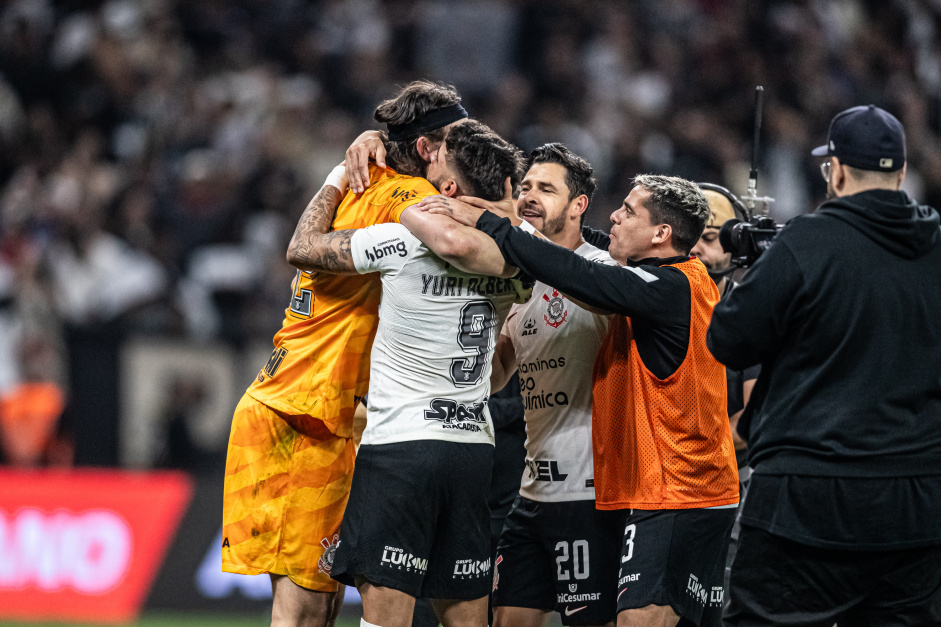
(866, 137)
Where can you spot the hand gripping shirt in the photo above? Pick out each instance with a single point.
(320, 365)
(556, 342)
(438, 326)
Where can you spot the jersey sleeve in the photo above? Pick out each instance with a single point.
(411, 192)
(381, 248)
(598, 239)
(646, 292)
(600, 255)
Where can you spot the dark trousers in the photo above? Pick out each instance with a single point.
(776, 581)
(424, 615)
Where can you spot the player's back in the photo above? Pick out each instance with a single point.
(431, 361)
(320, 364)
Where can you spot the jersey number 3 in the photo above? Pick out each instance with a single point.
(475, 335)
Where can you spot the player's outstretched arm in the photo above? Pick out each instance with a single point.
(313, 248)
(463, 247)
(468, 209)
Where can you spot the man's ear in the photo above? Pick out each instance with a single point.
(838, 175)
(903, 174)
(427, 149)
(662, 235)
(579, 206)
(450, 189)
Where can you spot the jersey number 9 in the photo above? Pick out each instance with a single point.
(475, 335)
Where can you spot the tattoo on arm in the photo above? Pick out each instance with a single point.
(314, 222)
(333, 253)
(313, 247)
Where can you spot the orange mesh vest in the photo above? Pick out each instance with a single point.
(663, 444)
(320, 365)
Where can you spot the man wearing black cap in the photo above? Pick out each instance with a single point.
(842, 523)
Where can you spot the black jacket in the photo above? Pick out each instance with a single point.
(843, 312)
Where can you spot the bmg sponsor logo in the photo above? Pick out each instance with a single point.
(397, 558)
(471, 569)
(386, 249)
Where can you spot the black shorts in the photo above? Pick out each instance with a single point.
(676, 558)
(776, 580)
(417, 520)
(559, 556)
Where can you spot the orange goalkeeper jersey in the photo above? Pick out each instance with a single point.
(320, 365)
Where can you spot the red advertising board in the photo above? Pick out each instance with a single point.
(84, 545)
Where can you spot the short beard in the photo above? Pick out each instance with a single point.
(551, 227)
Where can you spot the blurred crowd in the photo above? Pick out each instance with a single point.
(157, 153)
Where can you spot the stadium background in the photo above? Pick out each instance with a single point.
(155, 155)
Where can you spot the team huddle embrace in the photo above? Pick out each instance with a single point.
(433, 265)
(629, 511)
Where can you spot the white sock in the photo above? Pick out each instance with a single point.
(363, 623)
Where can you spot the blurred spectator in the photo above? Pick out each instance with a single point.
(30, 410)
(155, 154)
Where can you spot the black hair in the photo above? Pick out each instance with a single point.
(413, 101)
(679, 203)
(482, 160)
(578, 172)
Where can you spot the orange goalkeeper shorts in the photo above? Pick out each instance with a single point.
(285, 494)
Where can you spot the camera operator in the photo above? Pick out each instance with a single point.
(843, 518)
(718, 262)
(708, 249)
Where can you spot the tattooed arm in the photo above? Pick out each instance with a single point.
(313, 247)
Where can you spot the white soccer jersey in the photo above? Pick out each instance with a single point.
(555, 343)
(431, 360)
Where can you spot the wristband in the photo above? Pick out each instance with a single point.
(526, 226)
(337, 178)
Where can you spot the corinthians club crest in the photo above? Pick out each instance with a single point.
(556, 313)
(325, 563)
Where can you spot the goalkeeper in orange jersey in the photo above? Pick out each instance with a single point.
(290, 458)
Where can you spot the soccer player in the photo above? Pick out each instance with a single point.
(556, 552)
(417, 524)
(663, 449)
(290, 458)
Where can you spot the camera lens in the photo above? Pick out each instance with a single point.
(727, 238)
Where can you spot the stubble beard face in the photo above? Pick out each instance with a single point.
(554, 226)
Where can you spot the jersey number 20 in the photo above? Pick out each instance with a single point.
(475, 335)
